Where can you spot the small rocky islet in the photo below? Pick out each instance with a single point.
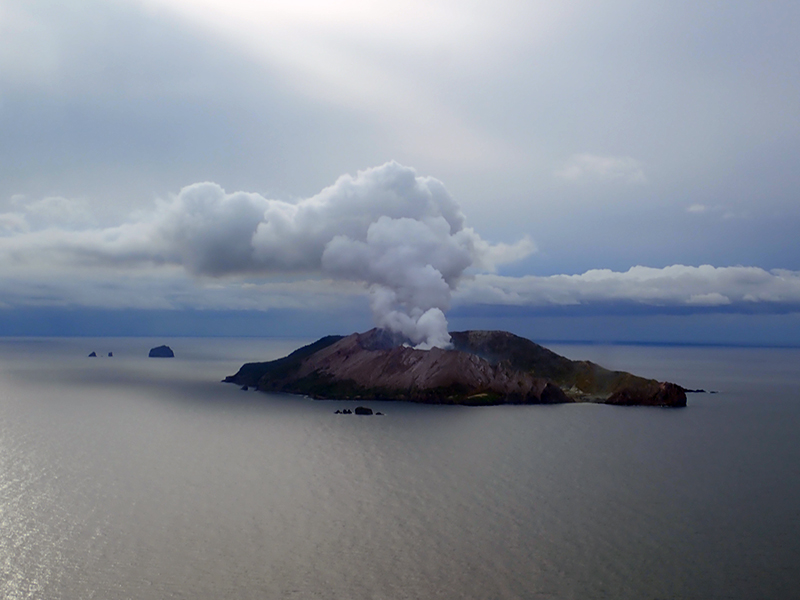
(483, 368)
(157, 352)
(161, 352)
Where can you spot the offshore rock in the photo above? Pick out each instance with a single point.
(161, 352)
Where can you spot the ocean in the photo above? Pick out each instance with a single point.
(127, 477)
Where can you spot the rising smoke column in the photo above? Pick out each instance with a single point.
(400, 234)
(411, 267)
(404, 236)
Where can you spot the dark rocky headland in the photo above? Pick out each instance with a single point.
(483, 368)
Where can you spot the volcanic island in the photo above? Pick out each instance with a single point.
(483, 368)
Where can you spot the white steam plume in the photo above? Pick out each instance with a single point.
(401, 234)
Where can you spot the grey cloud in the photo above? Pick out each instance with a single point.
(53, 211)
(176, 290)
(13, 222)
(117, 104)
(708, 287)
(401, 234)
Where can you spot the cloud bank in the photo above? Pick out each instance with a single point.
(707, 287)
(386, 233)
(400, 234)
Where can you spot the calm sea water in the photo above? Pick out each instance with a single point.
(130, 477)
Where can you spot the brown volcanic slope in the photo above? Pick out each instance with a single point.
(581, 380)
(485, 367)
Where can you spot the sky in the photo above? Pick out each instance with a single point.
(615, 171)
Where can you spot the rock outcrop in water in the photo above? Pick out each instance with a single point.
(161, 352)
(483, 368)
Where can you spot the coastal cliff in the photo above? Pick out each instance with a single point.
(483, 368)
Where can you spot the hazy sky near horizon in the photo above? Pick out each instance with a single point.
(607, 158)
